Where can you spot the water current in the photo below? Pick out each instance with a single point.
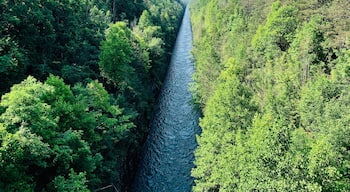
(167, 157)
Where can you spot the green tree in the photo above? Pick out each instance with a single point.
(75, 182)
(266, 146)
(84, 131)
(23, 105)
(116, 54)
(112, 126)
(306, 52)
(229, 110)
(275, 36)
(298, 138)
(341, 71)
(21, 153)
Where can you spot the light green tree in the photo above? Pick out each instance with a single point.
(229, 110)
(76, 182)
(116, 55)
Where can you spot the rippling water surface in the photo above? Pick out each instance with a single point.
(167, 157)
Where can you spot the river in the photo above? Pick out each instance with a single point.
(167, 157)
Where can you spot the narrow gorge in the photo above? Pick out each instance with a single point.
(167, 157)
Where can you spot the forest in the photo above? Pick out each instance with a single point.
(272, 79)
(79, 80)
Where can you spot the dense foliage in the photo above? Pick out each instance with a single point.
(51, 130)
(272, 78)
(78, 82)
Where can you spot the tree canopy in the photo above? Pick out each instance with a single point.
(78, 84)
(272, 81)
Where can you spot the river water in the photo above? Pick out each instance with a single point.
(167, 157)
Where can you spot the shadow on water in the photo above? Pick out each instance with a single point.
(167, 157)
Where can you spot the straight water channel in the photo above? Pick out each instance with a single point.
(167, 157)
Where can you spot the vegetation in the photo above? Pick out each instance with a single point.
(272, 79)
(78, 82)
